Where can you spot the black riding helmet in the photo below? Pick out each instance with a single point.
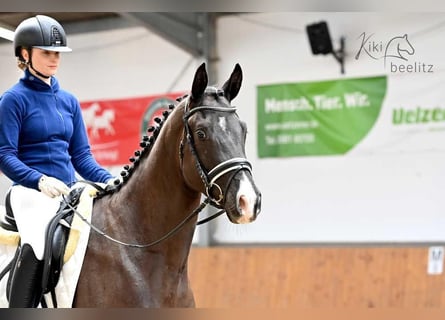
(41, 32)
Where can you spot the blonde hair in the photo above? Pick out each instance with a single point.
(21, 63)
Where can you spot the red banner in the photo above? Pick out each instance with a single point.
(115, 127)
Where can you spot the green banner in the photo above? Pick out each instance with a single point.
(317, 118)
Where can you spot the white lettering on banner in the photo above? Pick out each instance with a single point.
(282, 139)
(291, 125)
(435, 260)
(356, 99)
(273, 105)
(323, 102)
(111, 155)
(303, 138)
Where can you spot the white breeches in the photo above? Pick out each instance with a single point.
(33, 210)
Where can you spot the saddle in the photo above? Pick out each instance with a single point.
(57, 234)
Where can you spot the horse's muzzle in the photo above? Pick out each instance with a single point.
(243, 202)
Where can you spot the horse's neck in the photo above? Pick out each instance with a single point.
(156, 198)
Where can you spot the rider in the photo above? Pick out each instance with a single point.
(43, 143)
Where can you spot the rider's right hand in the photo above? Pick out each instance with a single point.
(52, 187)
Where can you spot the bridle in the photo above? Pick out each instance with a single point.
(209, 177)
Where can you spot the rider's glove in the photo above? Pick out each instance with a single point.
(52, 187)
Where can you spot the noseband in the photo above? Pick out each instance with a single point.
(209, 177)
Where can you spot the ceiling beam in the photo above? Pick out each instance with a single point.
(186, 30)
(194, 33)
(95, 25)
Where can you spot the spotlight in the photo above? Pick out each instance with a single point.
(321, 43)
(319, 38)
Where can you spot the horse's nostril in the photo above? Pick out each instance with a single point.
(243, 204)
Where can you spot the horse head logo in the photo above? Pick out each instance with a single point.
(398, 47)
(95, 121)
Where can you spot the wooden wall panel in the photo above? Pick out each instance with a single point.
(234, 277)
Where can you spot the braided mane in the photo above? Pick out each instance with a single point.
(146, 145)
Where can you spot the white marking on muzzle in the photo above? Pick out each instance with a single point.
(246, 198)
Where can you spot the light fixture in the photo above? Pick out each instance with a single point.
(6, 34)
(320, 41)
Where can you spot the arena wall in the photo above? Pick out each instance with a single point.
(315, 277)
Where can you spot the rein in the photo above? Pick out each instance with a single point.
(151, 244)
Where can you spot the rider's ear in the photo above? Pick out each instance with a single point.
(199, 82)
(233, 85)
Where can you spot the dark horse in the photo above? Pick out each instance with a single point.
(196, 149)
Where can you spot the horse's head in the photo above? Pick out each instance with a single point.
(214, 160)
(397, 47)
(405, 45)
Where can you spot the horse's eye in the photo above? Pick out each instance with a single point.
(200, 134)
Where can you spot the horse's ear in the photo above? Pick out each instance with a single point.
(232, 86)
(199, 82)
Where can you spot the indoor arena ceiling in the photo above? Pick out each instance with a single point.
(12, 19)
(190, 31)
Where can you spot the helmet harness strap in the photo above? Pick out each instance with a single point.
(29, 63)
